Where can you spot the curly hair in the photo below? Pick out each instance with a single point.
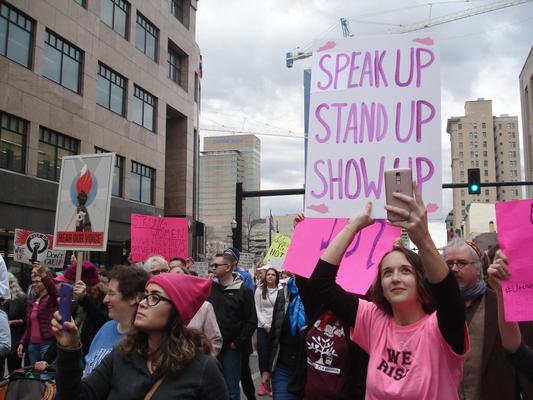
(176, 351)
(424, 295)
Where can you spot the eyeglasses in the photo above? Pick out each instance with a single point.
(153, 299)
(215, 265)
(159, 271)
(460, 263)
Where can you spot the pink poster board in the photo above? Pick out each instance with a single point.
(515, 235)
(167, 237)
(359, 265)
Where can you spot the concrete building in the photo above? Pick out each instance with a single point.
(526, 99)
(86, 76)
(481, 140)
(224, 161)
(480, 218)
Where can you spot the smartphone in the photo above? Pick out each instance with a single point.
(398, 180)
(65, 302)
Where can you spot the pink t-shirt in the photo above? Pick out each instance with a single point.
(407, 362)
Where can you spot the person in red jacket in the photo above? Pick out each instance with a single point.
(40, 309)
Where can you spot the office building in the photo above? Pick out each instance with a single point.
(526, 100)
(481, 140)
(86, 76)
(224, 161)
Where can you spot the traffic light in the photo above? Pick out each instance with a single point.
(474, 181)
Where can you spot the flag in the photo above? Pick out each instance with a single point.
(272, 227)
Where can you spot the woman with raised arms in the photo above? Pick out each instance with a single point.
(415, 352)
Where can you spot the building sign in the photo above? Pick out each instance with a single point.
(83, 202)
(375, 105)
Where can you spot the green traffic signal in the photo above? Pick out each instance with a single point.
(474, 181)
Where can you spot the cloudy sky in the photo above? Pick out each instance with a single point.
(247, 86)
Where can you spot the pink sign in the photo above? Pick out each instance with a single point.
(358, 267)
(515, 235)
(150, 236)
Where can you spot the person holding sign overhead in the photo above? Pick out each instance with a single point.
(415, 353)
(519, 353)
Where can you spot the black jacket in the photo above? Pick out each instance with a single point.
(234, 308)
(117, 379)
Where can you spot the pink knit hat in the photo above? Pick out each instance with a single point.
(89, 274)
(187, 292)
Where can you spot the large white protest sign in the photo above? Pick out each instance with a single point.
(30, 246)
(83, 202)
(375, 105)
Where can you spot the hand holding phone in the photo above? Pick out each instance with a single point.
(65, 302)
(398, 180)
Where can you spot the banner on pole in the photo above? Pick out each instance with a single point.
(32, 246)
(83, 202)
(375, 105)
(162, 236)
(515, 235)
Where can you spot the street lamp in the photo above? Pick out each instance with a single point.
(233, 232)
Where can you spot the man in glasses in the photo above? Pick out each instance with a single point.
(156, 265)
(234, 309)
(487, 374)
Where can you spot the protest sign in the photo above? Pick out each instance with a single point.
(200, 267)
(375, 105)
(34, 246)
(276, 253)
(162, 236)
(358, 267)
(246, 261)
(515, 235)
(83, 202)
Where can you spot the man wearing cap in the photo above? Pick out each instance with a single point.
(234, 308)
(487, 374)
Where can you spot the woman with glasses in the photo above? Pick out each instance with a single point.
(415, 353)
(159, 359)
(126, 284)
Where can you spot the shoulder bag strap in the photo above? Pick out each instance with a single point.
(154, 388)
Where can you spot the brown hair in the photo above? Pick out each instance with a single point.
(422, 287)
(228, 258)
(177, 349)
(131, 280)
(264, 292)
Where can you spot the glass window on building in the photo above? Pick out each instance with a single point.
(459, 126)
(111, 90)
(52, 147)
(13, 132)
(118, 173)
(62, 62)
(177, 65)
(115, 14)
(82, 3)
(142, 179)
(16, 35)
(143, 108)
(146, 35)
(177, 9)
(483, 125)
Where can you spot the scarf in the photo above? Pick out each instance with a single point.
(297, 316)
(476, 291)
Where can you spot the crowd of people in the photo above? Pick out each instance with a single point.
(431, 326)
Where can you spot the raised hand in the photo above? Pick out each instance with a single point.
(66, 336)
(364, 219)
(498, 271)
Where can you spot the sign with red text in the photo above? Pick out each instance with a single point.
(32, 246)
(83, 202)
(158, 236)
(375, 105)
(358, 267)
(515, 235)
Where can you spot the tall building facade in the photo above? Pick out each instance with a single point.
(481, 140)
(86, 76)
(526, 100)
(224, 161)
